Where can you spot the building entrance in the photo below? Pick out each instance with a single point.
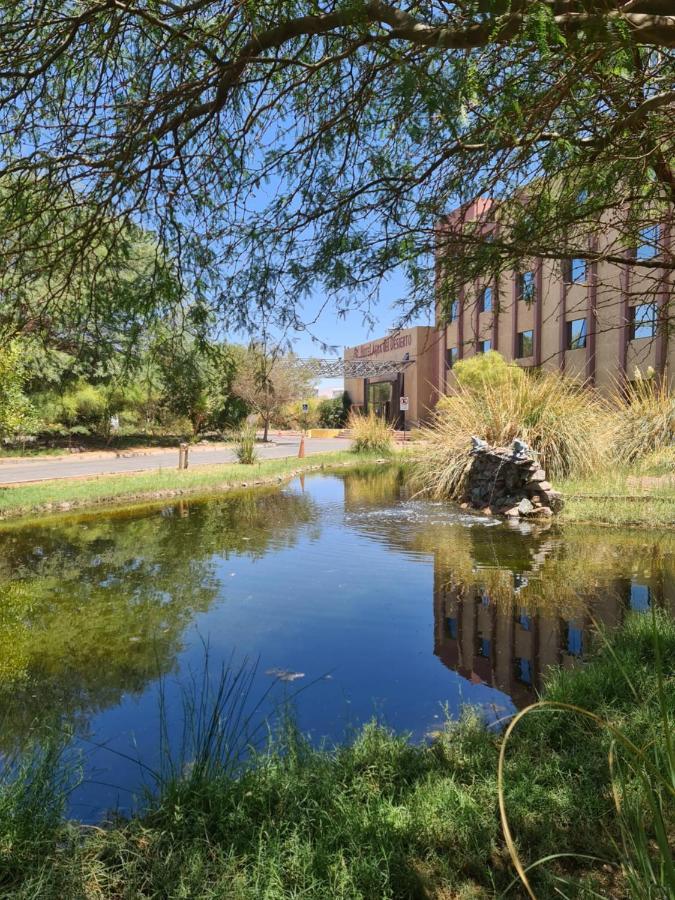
(380, 399)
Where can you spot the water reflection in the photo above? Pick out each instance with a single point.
(94, 608)
(411, 608)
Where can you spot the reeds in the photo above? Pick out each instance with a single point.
(569, 426)
(370, 433)
(645, 412)
(244, 446)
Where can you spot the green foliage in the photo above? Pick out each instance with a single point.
(244, 446)
(380, 817)
(198, 381)
(335, 412)
(370, 433)
(489, 369)
(16, 411)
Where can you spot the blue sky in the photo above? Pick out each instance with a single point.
(352, 329)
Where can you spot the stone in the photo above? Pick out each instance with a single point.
(525, 507)
(512, 513)
(538, 475)
(544, 512)
(555, 500)
(545, 486)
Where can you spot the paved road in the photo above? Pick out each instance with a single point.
(44, 468)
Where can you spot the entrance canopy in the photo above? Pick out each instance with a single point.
(354, 368)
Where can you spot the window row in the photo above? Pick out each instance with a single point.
(643, 320)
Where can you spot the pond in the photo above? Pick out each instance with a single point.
(345, 592)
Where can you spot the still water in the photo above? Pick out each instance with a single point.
(368, 602)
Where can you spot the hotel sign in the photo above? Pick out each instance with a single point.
(387, 345)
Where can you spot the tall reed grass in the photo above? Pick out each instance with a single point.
(642, 778)
(645, 411)
(569, 426)
(245, 444)
(370, 433)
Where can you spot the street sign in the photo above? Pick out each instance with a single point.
(305, 407)
(405, 406)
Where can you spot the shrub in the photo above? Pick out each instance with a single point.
(567, 424)
(646, 414)
(292, 415)
(335, 412)
(244, 448)
(486, 368)
(370, 433)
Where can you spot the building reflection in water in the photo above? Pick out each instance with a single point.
(509, 646)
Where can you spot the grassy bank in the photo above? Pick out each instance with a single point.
(381, 817)
(66, 494)
(637, 495)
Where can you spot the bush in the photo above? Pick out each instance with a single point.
(567, 424)
(244, 448)
(486, 369)
(335, 412)
(292, 415)
(646, 414)
(370, 433)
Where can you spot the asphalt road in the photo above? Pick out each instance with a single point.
(78, 466)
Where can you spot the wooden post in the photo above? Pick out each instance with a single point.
(301, 451)
(183, 456)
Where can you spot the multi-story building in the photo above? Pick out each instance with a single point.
(598, 321)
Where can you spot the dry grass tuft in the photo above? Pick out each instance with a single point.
(570, 427)
(370, 433)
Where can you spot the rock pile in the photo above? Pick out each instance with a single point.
(509, 481)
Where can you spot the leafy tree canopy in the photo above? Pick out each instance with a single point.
(280, 146)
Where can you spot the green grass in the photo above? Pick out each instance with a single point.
(618, 497)
(144, 486)
(377, 818)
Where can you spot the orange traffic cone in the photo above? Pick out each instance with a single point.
(301, 451)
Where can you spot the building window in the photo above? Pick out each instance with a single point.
(484, 346)
(526, 287)
(451, 357)
(524, 619)
(640, 597)
(575, 271)
(454, 311)
(484, 647)
(648, 246)
(451, 628)
(485, 302)
(642, 321)
(524, 670)
(576, 334)
(575, 641)
(525, 344)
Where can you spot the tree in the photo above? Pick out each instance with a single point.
(276, 147)
(198, 380)
(267, 381)
(16, 412)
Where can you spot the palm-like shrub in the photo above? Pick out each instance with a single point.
(370, 433)
(646, 414)
(567, 424)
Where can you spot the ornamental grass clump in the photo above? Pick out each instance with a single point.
(370, 433)
(244, 448)
(646, 415)
(569, 426)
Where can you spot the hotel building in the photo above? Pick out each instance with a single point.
(597, 321)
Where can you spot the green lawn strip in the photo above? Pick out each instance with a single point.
(69, 493)
(611, 498)
(380, 817)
